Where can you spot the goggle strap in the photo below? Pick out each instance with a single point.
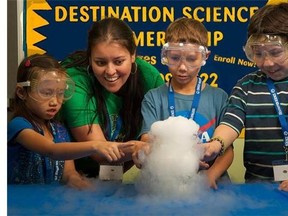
(24, 84)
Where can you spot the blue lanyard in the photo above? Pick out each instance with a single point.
(195, 102)
(116, 132)
(283, 121)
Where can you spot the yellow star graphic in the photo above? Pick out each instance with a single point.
(33, 21)
(276, 1)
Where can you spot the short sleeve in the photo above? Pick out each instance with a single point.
(16, 125)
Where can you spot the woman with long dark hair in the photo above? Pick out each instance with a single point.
(110, 84)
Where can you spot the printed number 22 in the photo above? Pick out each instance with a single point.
(212, 76)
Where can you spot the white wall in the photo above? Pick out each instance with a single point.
(14, 43)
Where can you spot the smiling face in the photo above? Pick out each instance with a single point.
(270, 53)
(272, 68)
(111, 64)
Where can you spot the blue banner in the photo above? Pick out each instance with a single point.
(60, 27)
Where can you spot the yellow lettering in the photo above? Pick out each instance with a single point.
(219, 14)
(150, 59)
(126, 14)
(85, 15)
(205, 77)
(253, 10)
(136, 10)
(149, 38)
(195, 14)
(160, 38)
(186, 11)
(94, 12)
(111, 12)
(168, 15)
(73, 14)
(229, 14)
(246, 63)
(60, 13)
(153, 60)
(217, 37)
(239, 14)
(139, 40)
(156, 11)
(167, 77)
(144, 18)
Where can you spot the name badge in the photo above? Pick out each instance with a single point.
(111, 172)
(280, 169)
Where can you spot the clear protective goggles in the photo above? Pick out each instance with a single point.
(261, 46)
(192, 55)
(50, 85)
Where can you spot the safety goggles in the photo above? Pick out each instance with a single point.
(50, 85)
(262, 46)
(175, 54)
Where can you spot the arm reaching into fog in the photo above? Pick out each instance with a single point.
(212, 149)
(220, 165)
(70, 150)
(139, 153)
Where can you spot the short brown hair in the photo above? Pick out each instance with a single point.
(270, 19)
(187, 30)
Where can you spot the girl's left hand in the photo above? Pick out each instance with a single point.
(77, 181)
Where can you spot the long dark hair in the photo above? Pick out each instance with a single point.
(114, 30)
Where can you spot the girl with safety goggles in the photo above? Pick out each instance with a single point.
(33, 155)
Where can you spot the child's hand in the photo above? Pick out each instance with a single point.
(211, 179)
(140, 151)
(211, 150)
(77, 181)
(203, 165)
(284, 186)
(113, 151)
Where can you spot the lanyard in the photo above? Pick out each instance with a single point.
(283, 121)
(195, 102)
(116, 132)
